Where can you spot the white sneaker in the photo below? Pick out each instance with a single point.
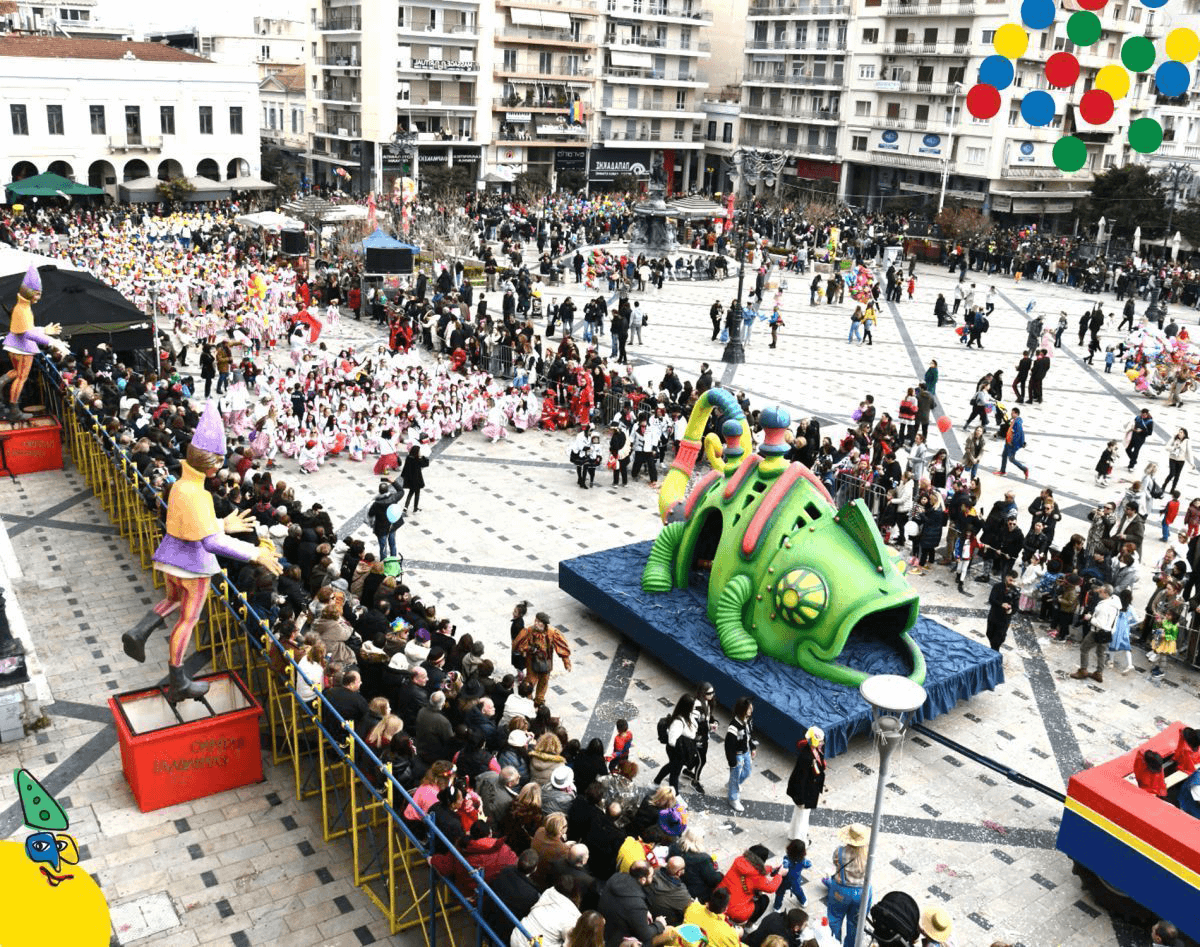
(736, 806)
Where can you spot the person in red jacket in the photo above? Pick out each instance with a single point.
(481, 851)
(750, 885)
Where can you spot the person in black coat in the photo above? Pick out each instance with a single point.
(1002, 604)
(515, 891)
(411, 477)
(789, 926)
(807, 781)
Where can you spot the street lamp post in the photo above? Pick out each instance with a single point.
(1179, 173)
(154, 325)
(750, 167)
(403, 146)
(892, 699)
(949, 145)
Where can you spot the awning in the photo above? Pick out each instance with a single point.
(248, 182)
(329, 159)
(623, 59)
(48, 185)
(552, 20)
(517, 116)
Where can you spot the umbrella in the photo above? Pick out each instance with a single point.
(248, 182)
(88, 310)
(1175, 245)
(48, 185)
(270, 220)
(1137, 240)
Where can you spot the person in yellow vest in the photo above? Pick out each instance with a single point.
(710, 918)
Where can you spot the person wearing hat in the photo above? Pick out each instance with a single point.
(539, 643)
(558, 796)
(750, 883)
(515, 753)
(807, 781)
(936, 926)
(846, 883)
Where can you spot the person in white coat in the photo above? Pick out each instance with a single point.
(551, 919)
(1179, 454)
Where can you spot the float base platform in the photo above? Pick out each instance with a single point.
(675, 628)
(30, 446)
(194, 749)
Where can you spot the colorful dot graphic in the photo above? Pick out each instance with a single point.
(1168, 64)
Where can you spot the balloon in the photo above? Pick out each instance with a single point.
(944, 424)
(394, 512)
(1132, 374)
(958, 331)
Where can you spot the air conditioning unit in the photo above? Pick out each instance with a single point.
(587, 57)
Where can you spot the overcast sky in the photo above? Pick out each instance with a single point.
(227, 16)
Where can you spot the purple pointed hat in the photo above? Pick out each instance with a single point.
(33, 280)
(210, 432)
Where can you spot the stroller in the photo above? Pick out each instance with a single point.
(1002, 418)
(895, 920)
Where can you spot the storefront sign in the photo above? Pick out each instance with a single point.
(608, 164)
(517, 116)
(811, 170)
(445, 65)
(930, 145)
(560, 129)
(570, 159)
(433, 157)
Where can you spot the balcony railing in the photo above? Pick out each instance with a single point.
(340, 62)
(788, 78)
(128, 142)
(338, 130)
(903, 123)
(338, 95)
(781, 110)
(658, 10)
(458, 29)
(647, 136)
(547, 35)
(799, 8)
(659, 74)
(653, 42)
(518, 104)
(926, 49)
(346, 22)
(794, 44)
(583, 6)
(927, 8)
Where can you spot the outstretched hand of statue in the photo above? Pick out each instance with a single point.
(239, 521)
(268, 558)
(53, 329)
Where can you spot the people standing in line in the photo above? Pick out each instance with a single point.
(740, 749)
(807, 781)
(539, 643)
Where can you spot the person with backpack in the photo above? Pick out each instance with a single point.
(679, 737)
(979, 325)
(539, 643)
(981, 403)
(1014, 440)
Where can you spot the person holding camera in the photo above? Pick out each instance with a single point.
(539, 643)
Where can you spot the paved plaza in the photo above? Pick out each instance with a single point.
(249, 867)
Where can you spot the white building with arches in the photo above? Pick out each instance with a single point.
(105, 111)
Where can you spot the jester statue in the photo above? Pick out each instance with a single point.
(22, 342)
(187, 555)
(790, 575)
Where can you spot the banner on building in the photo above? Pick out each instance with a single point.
(517, 116)
(890, 141)
(607, 165)
(811, 170)
(1034, 154)
(570, 159)
(929, 144)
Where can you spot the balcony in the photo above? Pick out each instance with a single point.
(781, 111)
(1014, 172)
(541, 136)
(551, 103)
(133, 142)
(338, 130)
(931, 8)
(338, 62)
(554, 37)
(579, 7)
(661, 11)
(647, 135)
(923, 162)
(424, 29)
(668, 45)
(793, 79)
(903, 123)
(533, 73)
(927, 49)
(339, 95)
(440, 66)
(798, 8)
(792, 45)
(349, 22)
(649, 75)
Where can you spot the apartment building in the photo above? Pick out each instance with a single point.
(906, 125)
(651, 90)
(792, 85)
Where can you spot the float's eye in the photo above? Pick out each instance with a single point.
(801, 595)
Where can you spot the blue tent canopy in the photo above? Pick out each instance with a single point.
(381, 240)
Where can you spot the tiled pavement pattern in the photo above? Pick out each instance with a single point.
(249, 866)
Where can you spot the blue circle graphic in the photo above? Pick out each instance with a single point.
(1038, 14)
(890, 136)
(931, 141)
(1037, 108)
(1172, 78)
(1027, 147)
(996, 71)
(1154, 4)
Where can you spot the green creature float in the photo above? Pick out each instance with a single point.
(791, 575)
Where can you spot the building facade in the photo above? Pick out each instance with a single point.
(108, 111)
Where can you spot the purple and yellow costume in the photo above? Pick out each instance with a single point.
(24, 340)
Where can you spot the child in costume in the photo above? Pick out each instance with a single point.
(187, 556)
(23, 341)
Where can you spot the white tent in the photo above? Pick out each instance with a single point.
(270, 220)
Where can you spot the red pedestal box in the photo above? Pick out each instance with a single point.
(172, 755)
(30, 446)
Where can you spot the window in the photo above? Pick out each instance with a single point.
(681, 100)
(546, 63)
(871, 35)
(20, 120)
(975, 155)
(206, 122)
(858, 143)
(264, 52)
(931, 36)
(96, 114)
(988, 36)
(271, 118)
(956, 74)
(866, 72)
(1013, 114)
(862, 108)
(166, 119)
(727, 133)
(297, 119)
(54, 119)
(235, 119)
(712, 131)
(510, 60)
(571, 65)
(434, 91)
(133, 124)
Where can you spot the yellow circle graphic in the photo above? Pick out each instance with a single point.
(39, 914)
(1011, 41)
(802, 596)
(1182, 45)
(1114, 80)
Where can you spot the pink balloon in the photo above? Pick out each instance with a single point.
(944, 424)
